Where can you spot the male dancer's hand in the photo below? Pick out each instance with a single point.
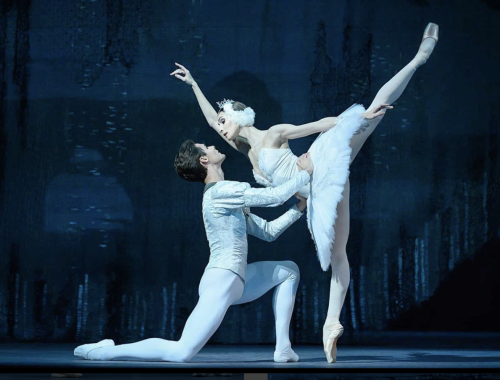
(187, 78)
(302, 202)
(305, 163)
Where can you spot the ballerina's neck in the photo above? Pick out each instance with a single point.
(252, 136)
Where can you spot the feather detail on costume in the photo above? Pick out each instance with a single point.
(331, 155)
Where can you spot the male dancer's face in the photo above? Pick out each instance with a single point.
(213, 156)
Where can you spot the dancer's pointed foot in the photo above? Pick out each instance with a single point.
(431, 31)
(286, 356)
(83, 350)
(429, 41)
(331, 334)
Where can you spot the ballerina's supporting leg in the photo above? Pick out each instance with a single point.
(392, 90)
(261, 277)
(339, 283)
(219, 288)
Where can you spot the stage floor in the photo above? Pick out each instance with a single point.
(60, 356)
(120, 376)
(271, 376)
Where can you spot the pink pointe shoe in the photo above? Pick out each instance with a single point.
(427, 47)
(331, 334)
(431, 31)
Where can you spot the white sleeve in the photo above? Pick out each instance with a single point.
(270, 231)
(233, 195)
(230, 195)
(275, 196)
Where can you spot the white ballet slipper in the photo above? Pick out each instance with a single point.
(286, 356)
(331, 334)
(83, 350)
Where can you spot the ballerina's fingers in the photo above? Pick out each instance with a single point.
(182, 67)
(381, 109)
(178, 71)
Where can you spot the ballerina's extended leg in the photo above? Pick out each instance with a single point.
(393, 89)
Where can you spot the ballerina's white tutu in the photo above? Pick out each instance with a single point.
(331, 155)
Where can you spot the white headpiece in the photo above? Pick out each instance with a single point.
(243, 118)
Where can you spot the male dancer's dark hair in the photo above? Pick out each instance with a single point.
(187, 162)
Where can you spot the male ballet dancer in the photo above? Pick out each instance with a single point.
(227, 279)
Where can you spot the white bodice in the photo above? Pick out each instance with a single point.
(331, 155)
(278, 166)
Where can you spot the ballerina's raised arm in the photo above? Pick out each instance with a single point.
(277, 134)
(209, 112)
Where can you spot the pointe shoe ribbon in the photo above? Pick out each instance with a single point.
(331, 334)
(431, 31)
(83, 350)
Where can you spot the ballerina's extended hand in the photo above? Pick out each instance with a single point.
(377, 111)
(187, 78)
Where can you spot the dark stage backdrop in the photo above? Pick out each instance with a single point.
(100, 238)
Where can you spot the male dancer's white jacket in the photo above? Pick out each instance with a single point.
(227, 218)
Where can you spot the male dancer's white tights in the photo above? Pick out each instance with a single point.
(218, 289)
(388, 94)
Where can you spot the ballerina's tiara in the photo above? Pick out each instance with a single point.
(243, 118)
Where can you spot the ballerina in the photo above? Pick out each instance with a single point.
(339, 142)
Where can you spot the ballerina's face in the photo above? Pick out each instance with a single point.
(227, 128)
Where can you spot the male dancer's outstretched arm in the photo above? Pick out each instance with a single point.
(270, 231)
(242, 195)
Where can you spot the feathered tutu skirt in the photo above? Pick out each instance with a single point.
(331, 156)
